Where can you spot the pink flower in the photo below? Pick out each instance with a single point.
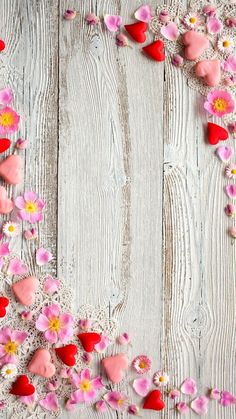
(174, 394)
(92, 19)
(232, 127)
(121, 40)
(141, 364)
(9, 121)
(113, 22)
(214, 394)
(53, 385)
(230, 210)
(51, 285)
(177, 60)
(160, 378)
(144, 14)
(21, 144)
(232, 232)
(116, 400)
(29, 400)
(85, 324)
(227, 398)
(164, 16)
(87, 357)
(231, 22)
(2, 405)
(50, 402)
(209, 10)
(6, 96)
(101, 406)
(200, 405)
(102, 345)
(133, 409)
(123, 339)
(230, 63)
(70, 14)
(31, 234)
(10, 340)
(17, 267)
(189, 387)
(43, 256)
(142, 385)
(26, 315)
(87, 387)
(219, 103)
(214, 25)
(30, 207)
(55, 325)
(182, 408)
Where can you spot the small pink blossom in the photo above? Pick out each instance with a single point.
(164, 16)
(113, 22)
(231, 22)
(133, 409)
(141, 364)
(101, 406)
(182, 408)
(53, 385)
(230, 80)
(17, 267)
(2, 405)
(232, 232)
(30, 207)
(55, 325)
(174, 394)
(43, 256)
(51, 285)
(219, 103)
(26, 315)
(229, 64)
(4, 249)
(65, 373)
(200, 405)
(50, 402)
(21, 144)
(10, 340)
(232, 127)
(214, 25)
(144, 14)
(230, 210)
(116, 400)
(70, 14)
(6, 96)
(92, 19)
(85, 324)
(189, 387)
(102, 345)
(31, 234)
(29, 400)
(214, 394)
(87, 357)
(9, 121)
(86, 385)
(227, 399)
(121, 40)
(123, 339)
(142, 386)
(177, 60)
(209, 10)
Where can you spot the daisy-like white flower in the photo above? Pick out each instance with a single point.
(230, 171)
(141, 364)
(225, 44)
(160, 378)
(192, 20)
(9, 371)
(11, 229)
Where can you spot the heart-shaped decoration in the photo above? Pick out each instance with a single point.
(25, 290)
(216, 133)
(89, 340)
(231, 190)
(210, 71)
(6, 204)
(11, 169)
(137, 31)
(4, 144)
(170, 31)
(224, 153)
(4, 302)
(22, 387)
(115, 367)
(2, 45)
(154, 401)
(41, 364)
(67, 354)
(195, 44)
(155, 50)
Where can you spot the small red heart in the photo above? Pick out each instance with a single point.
(2, 45)
(22, 387)
(4, 144)
(215, 133)
(137, 31)
(89, 340)
(155, 50)
(3, 304)
(153, 401)
(67, 354)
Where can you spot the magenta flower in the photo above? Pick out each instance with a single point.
(56, 326)
(86, 385)
(30, 207)
(116, 400)
(10, 340)
(227, 398)
(9, 121)
(219, 103)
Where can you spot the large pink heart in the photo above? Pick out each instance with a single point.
(6, 205)
(195, 44)
(115, 367)
(210, 70)
(25, 289)
(170, 31)
(11, 169)
(41, 364)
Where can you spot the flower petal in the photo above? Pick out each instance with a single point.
(113, 22)
(42, 323)
(30, 196)
(189, 386)
(142, 385)
(50, 336)
(200, 405)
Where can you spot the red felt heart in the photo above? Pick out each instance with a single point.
(2, 45)
(155, 50)
(22, 387)
(137, 31)
(153, 401)
(4, 144)
(89, 340)
(3, 304)
(215, 133)
(67, 354)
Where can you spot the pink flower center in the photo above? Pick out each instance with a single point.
(6, 119)
(85, 386)
(220, 105)
(31, 207)
(55, 324)
(11, 347)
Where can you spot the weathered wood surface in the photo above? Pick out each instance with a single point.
(134, 196)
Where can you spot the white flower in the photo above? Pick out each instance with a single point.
(11, 229)
(160, 378)
(9, 371)
(192, 20)
(225, 44)
(230, 171)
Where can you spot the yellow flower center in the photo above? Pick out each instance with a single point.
(233, 171)
(220, 105)
(85, 386)
(120, 402)
(11, 347)
(226, 44)
(55, 324)
(193, 19)
(6, 119)
(8, 371)
(11, 228)
(161, 379)
(30, 207)
(142, 365)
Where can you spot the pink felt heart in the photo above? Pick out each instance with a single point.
(11, 169)
(210, 70)
(25, 289)
(224, 153)
(6, 205)
(115, 367)
(170, 31)
(41, 364)
(231, 190)
(195, 44)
